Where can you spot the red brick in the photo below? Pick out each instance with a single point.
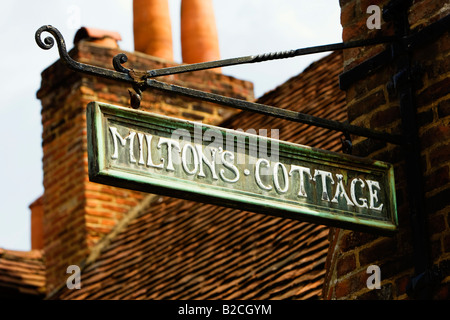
(384, 293)
(342, 289)
(98, 230)
(401, 284)
(435, 134)
(393, 265)
(107, 222)
(92, 220)
(100, 213)
(114, 208)
(366, 105)
(438, 201)
(425, 117)
(439, 67)
(433, 92)
(436, 223)
(435, 248)
(424, 10)
(444, 44)
(98, 196)
(203, 108)
(351, 284)
(348, 14)
(346, 265)
(343, 3)
(368, 146)
(437, 178)
(355, 31)
(385, 117)
(443, 292)
(446, 243)
(193, 116)
(129, 202)
(364, 4)
(377, 251)
(353, 239)
(444, 109)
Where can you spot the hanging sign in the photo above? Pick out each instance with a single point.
(162, 155)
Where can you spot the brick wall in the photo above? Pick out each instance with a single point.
(77, 213)
(372, 103)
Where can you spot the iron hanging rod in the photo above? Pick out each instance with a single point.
(294, 116)
(268, 56)
(124, 76)
(140, 81)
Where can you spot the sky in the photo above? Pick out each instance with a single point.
(245, 27)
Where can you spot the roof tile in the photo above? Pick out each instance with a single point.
(22, 274)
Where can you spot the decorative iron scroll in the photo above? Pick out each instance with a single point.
(141, 80)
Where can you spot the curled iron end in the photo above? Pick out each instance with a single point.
(118, 60)
(49, 42)
(347, 145)
(135, 98)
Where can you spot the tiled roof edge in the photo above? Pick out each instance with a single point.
(27, 280)
(106, 240)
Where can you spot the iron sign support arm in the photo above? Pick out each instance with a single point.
(426, 276)
(399, 52)
(268, 56)
(276, 112)
(141, 80)
(409, 41)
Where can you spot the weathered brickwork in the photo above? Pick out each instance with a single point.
(373, 104)
(77, 213)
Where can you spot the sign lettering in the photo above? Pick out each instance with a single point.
(154, 153)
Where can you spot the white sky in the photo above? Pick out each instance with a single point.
(245, 27)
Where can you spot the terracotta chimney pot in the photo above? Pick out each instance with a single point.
(101, 37)
(152, 28)
(199, 40)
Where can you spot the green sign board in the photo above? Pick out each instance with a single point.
(162, 155)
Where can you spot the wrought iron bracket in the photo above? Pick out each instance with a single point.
(141, 80)
(426, 276)
(408, 42)
(347, 144)
(422, 285)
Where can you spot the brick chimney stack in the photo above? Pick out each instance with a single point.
(152, 28)
(199, 40)
(37, 224)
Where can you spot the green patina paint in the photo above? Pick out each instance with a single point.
(157, 154)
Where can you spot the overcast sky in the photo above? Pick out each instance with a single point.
(245, 27)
